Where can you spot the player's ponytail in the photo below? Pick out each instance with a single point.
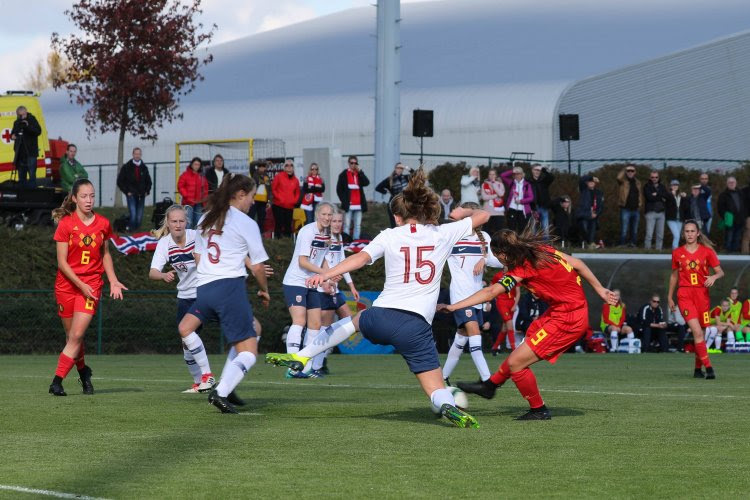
(164, 228)
(516, 249)
(68, 205)
(417, 201)
(477, 230)
(219, 200)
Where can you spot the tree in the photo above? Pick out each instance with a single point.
(131, 63)
(46, 71)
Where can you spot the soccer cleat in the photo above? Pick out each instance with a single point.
(485, 389)
(193, 389)
(56, 388)
(85, 380)
(698, 373)
(221, 403)
(233, 398)
(710, 375)
(316, 374)
(293, 361)
(541, 413)
(325, 370)
(207, 382)
(457, 417)
(295, 374)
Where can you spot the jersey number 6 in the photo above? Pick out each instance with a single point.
(420, 264)
(213, 258)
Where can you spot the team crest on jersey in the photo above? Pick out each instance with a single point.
(298, 298)
(469, 313)
(693, 264)
(60, 307)
(685, 312)
(87, 240)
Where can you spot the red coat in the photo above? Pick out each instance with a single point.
(285, 190)
(193, 187)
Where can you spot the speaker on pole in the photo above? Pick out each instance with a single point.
(422, 123)
(569, 128)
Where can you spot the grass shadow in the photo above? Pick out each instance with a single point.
(113, 390)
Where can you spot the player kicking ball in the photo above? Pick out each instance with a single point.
(415, 253)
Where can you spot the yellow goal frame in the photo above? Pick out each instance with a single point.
(207, 142)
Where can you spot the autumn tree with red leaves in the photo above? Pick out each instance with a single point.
(131, 63)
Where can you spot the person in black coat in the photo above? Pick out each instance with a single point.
(652, 324)
(540, 181)
(349, 189)
(393, 185)
(656, 196)
(561, 219)
(215, 174)
(590, 206)
(732, 213)
(135, 183)
(25, 134)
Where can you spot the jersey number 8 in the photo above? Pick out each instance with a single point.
(421, 262)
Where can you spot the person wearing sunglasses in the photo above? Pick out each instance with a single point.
(349, 189)
(656, 196)
(312, 192)
(653, 324)
(630, 201)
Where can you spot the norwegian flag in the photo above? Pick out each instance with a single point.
(135, 243)
(356, 245)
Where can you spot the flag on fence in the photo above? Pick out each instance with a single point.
(356, 245)
(135, 243)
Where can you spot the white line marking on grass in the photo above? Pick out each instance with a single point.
(49, 493)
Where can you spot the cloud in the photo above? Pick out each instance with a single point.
(18, 64)
(286, 14)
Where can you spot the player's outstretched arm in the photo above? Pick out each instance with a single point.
(115, 287)
(586, 273)
(480, 297)
(478, 217)
(718, 273)
(672, 286)
(351, 263)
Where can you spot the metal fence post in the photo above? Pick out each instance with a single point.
(100, 186)
(99, 327)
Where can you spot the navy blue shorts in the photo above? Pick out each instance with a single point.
(226, 300)
(463, 316)
(330, 302)
(183, 306)
(408, 332)
(308, 298)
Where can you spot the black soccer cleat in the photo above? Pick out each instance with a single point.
(56, 387)
(233, 398)
(221, 403)
(710, 375)
(485, 389)
(541, 413)
(698, 373)
(85, 380)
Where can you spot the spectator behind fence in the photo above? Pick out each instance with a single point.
(562, 219)
(590, 206)
(135, 182)
(193, 188)
(676, 209)
(493, 196)
(655, 195)
(352, 196)
(262, 191)
(447, 204)
(540, 182)
(652, 324)
(613, 322)
(393, 185)
(470, 186)
(745, 246)
(285, 191)
(215, 174)
(312, 192)
(25, 135)
(696, 207)
(519, 197)
(706, 197)
(71, 169)
(630, 201)
(732, 214)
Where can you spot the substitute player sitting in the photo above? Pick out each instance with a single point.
(724, 327)
(613, 322)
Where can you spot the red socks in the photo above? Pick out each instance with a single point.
(80, 363)
(499, 340)
(526, 383)
(512, 339)
(64, 365)
(701, 355)
(502, 374)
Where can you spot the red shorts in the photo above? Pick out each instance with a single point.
(554, 332)
(71, 300)
(504, 309)
(694, 303)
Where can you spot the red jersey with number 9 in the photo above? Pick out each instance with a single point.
(85, 246)
(557, 284)
(693, 267)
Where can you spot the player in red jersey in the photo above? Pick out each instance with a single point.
(690, 266)
(556, 279)
(82, 256)
(506, 303)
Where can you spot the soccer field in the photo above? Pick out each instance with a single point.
(623, 426)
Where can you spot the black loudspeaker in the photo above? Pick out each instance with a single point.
(569, 128)
(422, 124)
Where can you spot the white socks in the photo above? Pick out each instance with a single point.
(631, 335)
(613, 341)
(234, 372)
(439, 397)
(194, 344)
(711, 332)
(475, 347)
(454, 354)
(294, 338)
(231, 354)
(193, 367)
(718, 340)
(309, 336)
(330, 336)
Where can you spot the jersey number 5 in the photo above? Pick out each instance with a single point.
(421, 262)
(212, 245)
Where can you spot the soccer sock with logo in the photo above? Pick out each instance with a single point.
(499, 341)
(502, 374)
(194, 344)
(512, 339)
(231, 354)
(717, 341)
(454, 354)
(526, 383)
(234, 372)
(702, 353)
(64, 365)
(309, 337)
(80, 362)
(613, 341)
(329, 337)
(193, 367)
(711, 332)
(294, 338)
(439, 397)
(475, 347)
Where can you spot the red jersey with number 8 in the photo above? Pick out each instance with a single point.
(693, 267)
(85, 247)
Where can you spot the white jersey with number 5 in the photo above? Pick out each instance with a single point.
(415, 255)
(222, 255)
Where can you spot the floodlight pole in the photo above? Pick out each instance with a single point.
(387, 91)
(569, 167)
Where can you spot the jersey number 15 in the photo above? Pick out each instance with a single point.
(421, 263)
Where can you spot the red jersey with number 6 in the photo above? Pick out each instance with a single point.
(85, 246)
(557, 284)
(693, 267)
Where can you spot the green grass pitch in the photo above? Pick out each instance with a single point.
(623, 426)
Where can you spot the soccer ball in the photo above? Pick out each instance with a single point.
(462, 401)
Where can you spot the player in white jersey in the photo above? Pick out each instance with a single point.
(466, 263)
(415, 253)
(226, 237)
(309, 255)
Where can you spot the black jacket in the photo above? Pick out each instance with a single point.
(127, 182)
(647, 315)
(213, 179)
(656, 196)
(586, 201)
(726, 204)
(673, 212)
(540, 187)
(342, 190)
(395, 187)
(27, 132)
(561, 219)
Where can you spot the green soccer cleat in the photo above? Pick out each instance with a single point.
(458, 417)
(293, 361)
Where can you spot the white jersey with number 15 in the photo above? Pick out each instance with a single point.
(414, 258)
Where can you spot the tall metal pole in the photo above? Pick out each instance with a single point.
(387, 92)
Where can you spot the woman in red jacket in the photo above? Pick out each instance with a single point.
(285, 192)
(193, 188)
